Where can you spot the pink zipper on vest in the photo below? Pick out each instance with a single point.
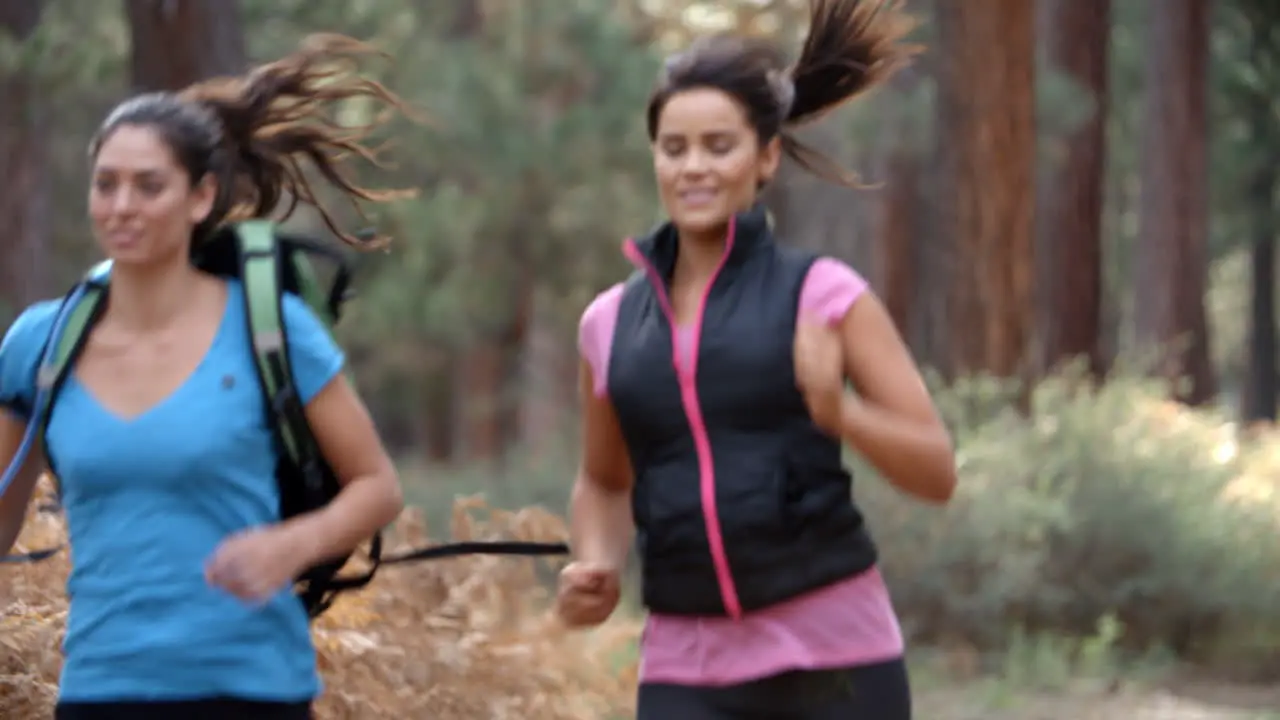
(687, 377)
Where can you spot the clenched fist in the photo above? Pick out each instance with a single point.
(256, 564)
(588, 593)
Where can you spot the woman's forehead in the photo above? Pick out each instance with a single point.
(701, 111)
(134, 149)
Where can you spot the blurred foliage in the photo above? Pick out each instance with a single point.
(534, 119)
(1107, 503)
(536, 164)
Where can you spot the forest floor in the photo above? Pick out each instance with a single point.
(1221, 704)
(1182, 699)
(472, 640)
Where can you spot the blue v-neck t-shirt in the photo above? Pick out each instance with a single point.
(147, 501)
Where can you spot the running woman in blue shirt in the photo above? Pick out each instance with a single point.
(181, 602)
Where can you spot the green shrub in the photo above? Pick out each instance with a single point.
(1100, 504)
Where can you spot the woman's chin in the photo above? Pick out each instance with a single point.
(131, 256)
(701, 220)
(127, 257)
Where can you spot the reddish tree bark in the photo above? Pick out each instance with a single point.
(1077, 35)
(1171, 261)
(25, 201)
(178, 42)
(896, 241)
(986, 135)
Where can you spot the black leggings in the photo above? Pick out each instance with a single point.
(215, 709)
(867, 692)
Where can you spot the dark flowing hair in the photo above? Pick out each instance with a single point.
(852, 46)
(254, 132)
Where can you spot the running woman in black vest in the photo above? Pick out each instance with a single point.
(715, 407)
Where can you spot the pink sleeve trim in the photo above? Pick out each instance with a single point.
(595, 336)
(830, 289)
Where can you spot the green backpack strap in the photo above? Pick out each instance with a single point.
(86, 304)
(69, 343)
(306, 481)
(260, 274)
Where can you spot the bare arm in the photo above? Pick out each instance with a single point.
(16, 498)
(894, 425)
(600, 523)
(371, 497)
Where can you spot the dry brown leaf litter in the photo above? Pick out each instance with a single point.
(466, 639)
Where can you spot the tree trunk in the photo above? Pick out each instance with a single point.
(897, 226)
(25, 201)
(1077, 33)
(1260, 383)
(435, 413)
(548, 378)
(482, 377)
(493, 364)
(986, 123)
(896, 239)
(1260, 386)
(179, 42)
(1170, 261)
(486, 405)
(468, 19)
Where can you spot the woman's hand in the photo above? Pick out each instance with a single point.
(256, 564)
(588, 594)
(819, 368)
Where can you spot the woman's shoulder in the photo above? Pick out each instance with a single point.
(595, 332)
(20, 352)
(830, 288)
(602, 307)
(28, 333)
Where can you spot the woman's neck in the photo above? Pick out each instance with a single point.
(148, 298)
(700, 254)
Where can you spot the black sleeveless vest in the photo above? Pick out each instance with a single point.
(740, 501)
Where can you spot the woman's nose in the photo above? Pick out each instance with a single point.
(123, 201)
(695, 161)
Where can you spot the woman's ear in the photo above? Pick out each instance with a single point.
(203, 196)
(770, 159)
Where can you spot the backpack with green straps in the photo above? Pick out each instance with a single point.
(268, 263)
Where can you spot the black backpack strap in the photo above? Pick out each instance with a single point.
(478, 547)
(261, 273)
(305, 277)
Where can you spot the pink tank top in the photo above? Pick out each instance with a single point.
(851, 622)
